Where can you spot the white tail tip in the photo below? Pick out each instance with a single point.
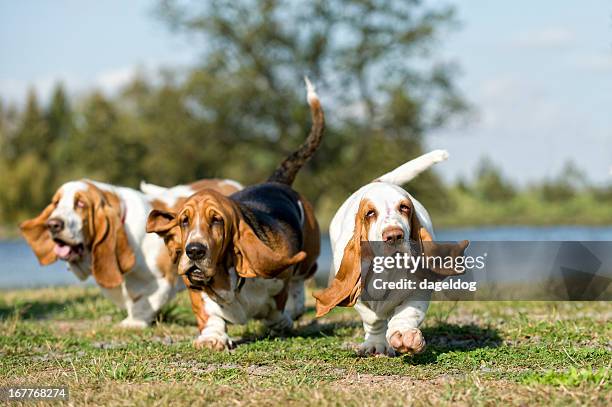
(311, 94)
(408, 171)
(151, 189)
(440, 155)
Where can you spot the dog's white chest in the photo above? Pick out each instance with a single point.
(254, 300)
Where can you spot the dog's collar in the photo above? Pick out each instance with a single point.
(123, 208)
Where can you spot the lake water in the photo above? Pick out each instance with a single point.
(19, 267)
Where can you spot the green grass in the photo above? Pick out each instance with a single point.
(572, 378)
(478, 353)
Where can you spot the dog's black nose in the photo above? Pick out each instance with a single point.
(195, 251)
(393, 235)
(55, 225)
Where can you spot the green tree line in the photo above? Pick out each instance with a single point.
(132, 137)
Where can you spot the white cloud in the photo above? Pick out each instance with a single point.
(15, 91)
(499, 96)
(545, 38)
(601, 63)
(113, 80)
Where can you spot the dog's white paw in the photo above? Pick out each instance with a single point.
(217, 343)
(130, 323)
(375, 347)
(410, 341)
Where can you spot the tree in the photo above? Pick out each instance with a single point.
(490, 183)
(371, 58)
(59, 114)
(167, 125)
(4, 131)
(60, 126)
(565, 186)
(32, 133)
(103, 147)
(25, 175)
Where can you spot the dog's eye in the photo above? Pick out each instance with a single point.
(185, 222)
(80, 204)
(216, 220)
(404, 208)
(371, 213)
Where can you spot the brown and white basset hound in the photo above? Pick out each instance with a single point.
(382, 211)
(247, 255)
(99, 229)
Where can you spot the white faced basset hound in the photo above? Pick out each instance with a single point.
(381, 212)
(99, 229)
(247, 255)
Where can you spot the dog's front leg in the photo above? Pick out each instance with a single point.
(374, 326)
(212, 326)
(296, 298)
(403, 333)
(121, 297)
(279, 321)
(143, 309)
(140, 314)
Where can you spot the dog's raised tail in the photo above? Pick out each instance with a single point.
(286, 172)
(408, 171)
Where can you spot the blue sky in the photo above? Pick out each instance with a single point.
(538, 74)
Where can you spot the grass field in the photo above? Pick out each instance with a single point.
(478, 353)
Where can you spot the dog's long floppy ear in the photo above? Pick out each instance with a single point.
(346, 286)
(165, 224)
(111, 253)
(445, 251)
(253, 258)
(415, 227)
(37, 235)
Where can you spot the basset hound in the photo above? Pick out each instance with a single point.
(99, 229)
(247, 255)
(382, 211)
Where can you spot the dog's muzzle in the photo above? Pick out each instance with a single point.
(196, 276)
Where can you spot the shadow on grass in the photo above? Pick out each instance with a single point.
(39, 310)
(444, 338)
(319, 330)
(314, 329)
(176, 314)
(441, 338)
(32, 310)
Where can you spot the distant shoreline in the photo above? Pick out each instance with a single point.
(9, 232)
